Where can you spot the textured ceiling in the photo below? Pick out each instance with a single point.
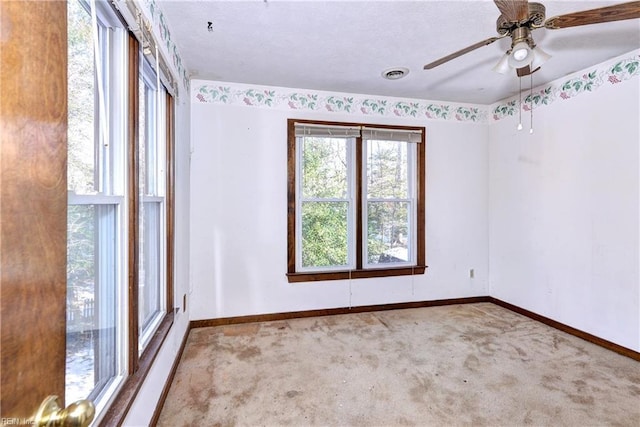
(345, 45)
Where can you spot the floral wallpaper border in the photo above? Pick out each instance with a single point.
(299, 99)
(611, 72)
(161, 28)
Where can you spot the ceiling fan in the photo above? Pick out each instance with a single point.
(518, 18)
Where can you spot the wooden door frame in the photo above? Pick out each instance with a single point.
(33, 207)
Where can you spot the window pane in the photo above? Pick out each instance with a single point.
(324, 234)
(91, 300)
(150, 268)
(387, 169)
(324, 168)
(144, 135)
(82, 125)
(387, 232)
(151, 274)
(148, 129)
(91, 355)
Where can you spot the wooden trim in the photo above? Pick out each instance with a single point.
(359, 272)
(170, 200)
(167, 384)
(33, 204)
(617, 348)
(333, 311)
(355, 274)
(422, 203)
(133, 198)
(358, 200)
(118, 410)
(291, 196)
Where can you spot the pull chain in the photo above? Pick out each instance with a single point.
(350, 292)
(531, 100)
(520, 104)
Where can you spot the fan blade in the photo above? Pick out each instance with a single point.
(513, 10)
(618, 12)
(461, 52)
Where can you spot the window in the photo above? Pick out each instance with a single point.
(355, 200)
(96, 260)
(120, 209)
(151, 184)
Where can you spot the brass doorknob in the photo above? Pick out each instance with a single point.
(78, 414)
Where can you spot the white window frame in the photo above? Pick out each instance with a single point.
(349, 199)
(411, 200)
(110, 176)
(154, 190)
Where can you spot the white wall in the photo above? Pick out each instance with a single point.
(239, 216)
(147, 398)
(564, 212)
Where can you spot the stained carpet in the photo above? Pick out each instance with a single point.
(472, 364)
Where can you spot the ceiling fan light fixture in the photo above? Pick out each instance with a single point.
(502, 66)
(521, 55)
(539, 57)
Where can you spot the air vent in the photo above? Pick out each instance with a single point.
(395, 73)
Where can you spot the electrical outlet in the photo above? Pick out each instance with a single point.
(472, 273)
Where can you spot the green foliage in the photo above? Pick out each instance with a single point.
(387, 179)
(80, 244)
(324, 168)
(324, 223)
(387, 228)
(386, 169)
(80, 262)
(81, 159)
(324, 234)
(325, 208)
(81, 100)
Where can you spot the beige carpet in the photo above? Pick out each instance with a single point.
(475, 364)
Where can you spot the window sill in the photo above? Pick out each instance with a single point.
(118, 410)
(355, 274)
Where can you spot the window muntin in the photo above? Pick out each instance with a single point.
(358, 214)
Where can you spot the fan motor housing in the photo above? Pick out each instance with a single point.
(537, 15)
